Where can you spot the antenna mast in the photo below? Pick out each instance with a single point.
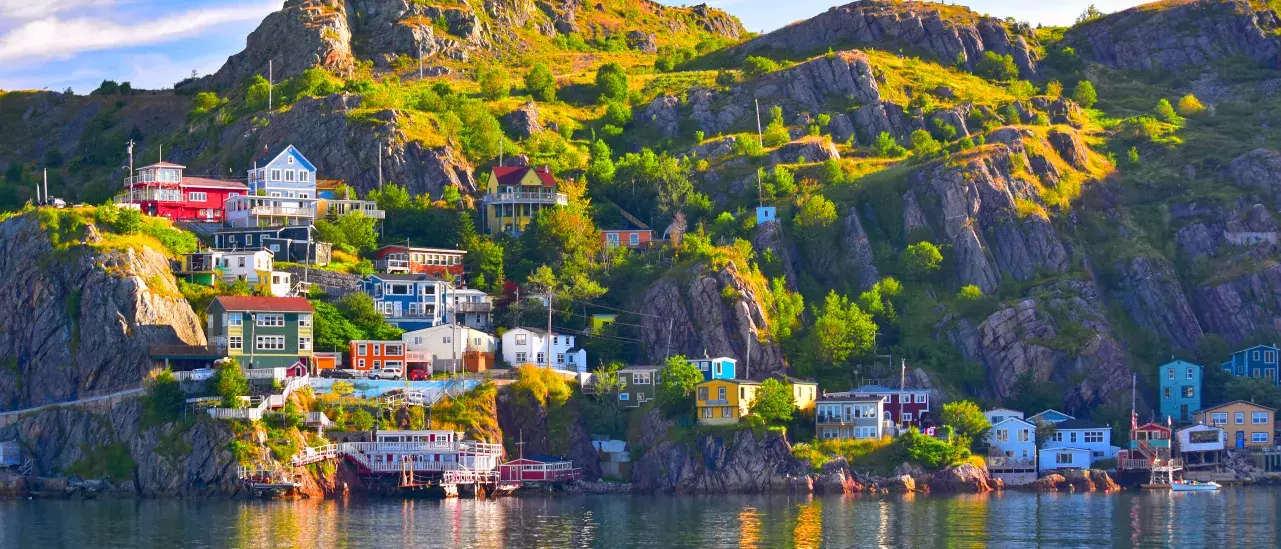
(269, 85)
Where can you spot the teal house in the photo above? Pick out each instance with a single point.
(1180, 390)
(716, 368)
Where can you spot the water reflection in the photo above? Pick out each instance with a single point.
(1235, 517)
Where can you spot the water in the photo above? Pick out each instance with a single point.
(1235, 517)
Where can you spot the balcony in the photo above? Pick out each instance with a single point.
(837, 420)
(148, 195)
(367, 207)
(392, 265)
(418, 356)
(283, 211)
(1005, 463)
(527, 197)
(473, 307)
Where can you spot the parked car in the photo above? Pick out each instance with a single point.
(337, 374)
(385, 373)
(202, 374)
(417, 374)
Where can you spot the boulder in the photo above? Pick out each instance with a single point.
(642, 41)
(663, 113)
(807, 149)
(835, 478)
(965, 478)
(857, 258)
(1259, 169)
(1069, 146)
(524, 120)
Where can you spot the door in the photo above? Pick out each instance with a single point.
(1240, 439)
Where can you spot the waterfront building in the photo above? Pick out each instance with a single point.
(1083, 434)
(163, 190)
(723, 401)
(842, 417)
(906, 407)
(1050, 416)
(1248, 425)
(1259, 361)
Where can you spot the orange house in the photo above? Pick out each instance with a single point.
(626, 238)
(326, 361)
(369, 355)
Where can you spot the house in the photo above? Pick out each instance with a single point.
(629, 237)
(1063, 457)
(1082, 434)
(804, 394)
(371, 355)
(716, 368)
(282, 192)
(256, 268)
(1147, 442)
(162, 190)
(844, 417)
(409, 301)
(261, 332)
(764, 214)
(294, 244)
(442, 263)
(471, 307)
(327, 360)
(200, 267)
(723, 401)
(1014, 437)
(1248, 425)
(1050, 416)
(529, 346)
(1180, 385)
(537, 469)
(515, 194)
(332, 203)
(902, 406)
(1257, 361)
(449, 347)
(997, 415)
(1201, 446)
(637, 385)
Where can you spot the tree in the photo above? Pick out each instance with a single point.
(787, 307)
(618, 113)
(924, 145)
(816, 213)
(776, 133)
(1091, 13)
(1189, 105)
(606, 379)
(970, 292)
(353, 231)
(362, 420)
(774, 402)
(1165, 111)
(996, 66)
(921, 260)
(230, 384)
(1034, 395)
(930, 452)
(1054, 88)
(966, 418)
(541, 83)
(1084, 94)
(784, 181)
(675, 393)
(332, 330)
(204, 102)
(611, 82)
(841, 330)
(165, 399)
(256, 94)
(495, 82)
(886, 147)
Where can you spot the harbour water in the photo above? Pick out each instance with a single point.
(1234, 517)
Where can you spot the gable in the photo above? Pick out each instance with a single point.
(282, 160)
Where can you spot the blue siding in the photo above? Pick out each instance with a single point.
(1180, 394)
(1259, 361)
(715, 368)
(288, 161)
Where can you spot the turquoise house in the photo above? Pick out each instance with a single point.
(1180, 390)
(716, 368)
(1257, 361)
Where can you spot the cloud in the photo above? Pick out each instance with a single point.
(29, 9)
(56, 38)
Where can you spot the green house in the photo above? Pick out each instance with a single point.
(262, 332)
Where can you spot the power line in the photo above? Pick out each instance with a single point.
(637, 313)
(597, 336)
(591, 318)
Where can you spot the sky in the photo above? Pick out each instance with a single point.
(59, 44)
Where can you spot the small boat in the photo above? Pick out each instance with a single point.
(1194, 486)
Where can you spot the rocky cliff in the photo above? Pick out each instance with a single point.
(523, 422)
(950, 34)
(709, 313)
(1179, 33)
(75, 320)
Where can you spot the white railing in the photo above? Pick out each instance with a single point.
(473, 307)
(549, 198)
(481, 448)
(255, 413)
(418, 356)
(400, 447)
(391, 265)
(311, 455)
(367, 207)
(318, 419)
(252, 414)
(287, 211)
(1004, 462)
(1141, 463)
(468, 476)
(264, 373)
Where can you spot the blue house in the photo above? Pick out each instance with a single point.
(764, 214)
(293, 243)
(715, 368)
(1049, 416)
(1180, 390)
(409, 301)
(1257, 361)
(282, 191)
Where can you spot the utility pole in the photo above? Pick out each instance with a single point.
(671, 325)
(420, 61)
(758, 114)
(747, 370)
(550, 301)
(380, 166)
(759, 134)
(46, 186)
(501, 139)
(129, 176)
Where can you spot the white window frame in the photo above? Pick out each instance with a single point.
(1238, 418)
(235, 343)
(197, 196)
(1189, 373)
(1258, 418)
(269, 342)
(906, 417)
(1259, 438)
(269, 320)
(275, 174)
(633, 239)
(304, 321)
(1218, 418)
(304, 343)
(234, 319)
(304, 176)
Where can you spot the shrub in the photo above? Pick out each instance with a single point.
(774, 402)
(541, 83)
(1084, 94)
(1189, 105)
(970, 292)
(1054, 88)
(776, 133)
(748, 145)
(924, 145)
(1165, 111)
(886, 147)
(611, 82)
(756, 65)
(618, 113)
(204, 102)
(1133, 155)
(921, 260)
(495, 82)
(675, 392)
(996, 66)
(230, 384)
(362, 420)
(165, 399)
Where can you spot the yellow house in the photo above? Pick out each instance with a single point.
(723, 401)
(1246, 424)
(804, 394)
(515, 194)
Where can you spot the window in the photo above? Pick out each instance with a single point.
(640, 378)
(920, 398)
(624, 396)
(378, 364)
(234, 343)
(1095, 437)
(304, 344)
(1189, 391)
(634, 239)
(727, 411)
(1165, 393)
(362, 349)
(1169, 373)
(233, 319)
(274, 247)
(541, 360)
(520, 339)
(360, 364)
(1259, 438)
(720, 393)
(275, 174)
(1025, 435)
(1258, 418)
(289, 175)
(1268, 356)
(1256, 355)
(1063, 458)
(1218, 418)
(393, 350)
(304, 321)
(1057, 437)
(1270, 373)
(270, 343)
(521, 358)
(1239, 418)
(240, 262)
(1072, 436)
(702, 393)
(555, 340)
(907, 417)
(270, 320)
(707, 412)
(289, 160)
(197, 197)
(1003, 435)
(304, 176)
(560, 358)
(1189, 373)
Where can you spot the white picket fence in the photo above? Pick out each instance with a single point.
(271, 402)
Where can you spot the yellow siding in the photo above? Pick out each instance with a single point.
(805, 394)
(714, 411)
(1246, 426)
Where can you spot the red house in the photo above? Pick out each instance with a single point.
(162, 190)
(902, 406)
(626, 238)
(439, 262)
(537, 469)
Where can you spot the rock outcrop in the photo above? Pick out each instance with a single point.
(76, 322)
(709, 313)
(1076, 481)
(318, 36)
(738, 462)
(1173, 35)
(950, 34)
(1151, 294)
(526, 422)
(857, 259)
(1259, 169)
(961, 479)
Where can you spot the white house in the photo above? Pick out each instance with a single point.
(446, 343)
(245, 264)
(1064, 458)
(471, 307)
(1083, 435)
(529, 346)
(1014, 437)
(997, 415)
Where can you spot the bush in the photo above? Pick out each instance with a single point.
(1084, 94)
(361, 420)
(204, 102)
(1054, 88)
(970, 292)
(230, 384)
(257, 93)
(541, 83)
(1189, 105)
(165, 399)
(930, 452)
(618, 113)
(756, 65)
(1165, 111)
(886, 147)
(924, 145)
(774, 402)
(995, 66)
(495, 82)
(675, 392)
(611, 82)
(921, 260)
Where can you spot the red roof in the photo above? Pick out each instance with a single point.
(163, 165)
(511, 175)
(258, 303)
(214, 183)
